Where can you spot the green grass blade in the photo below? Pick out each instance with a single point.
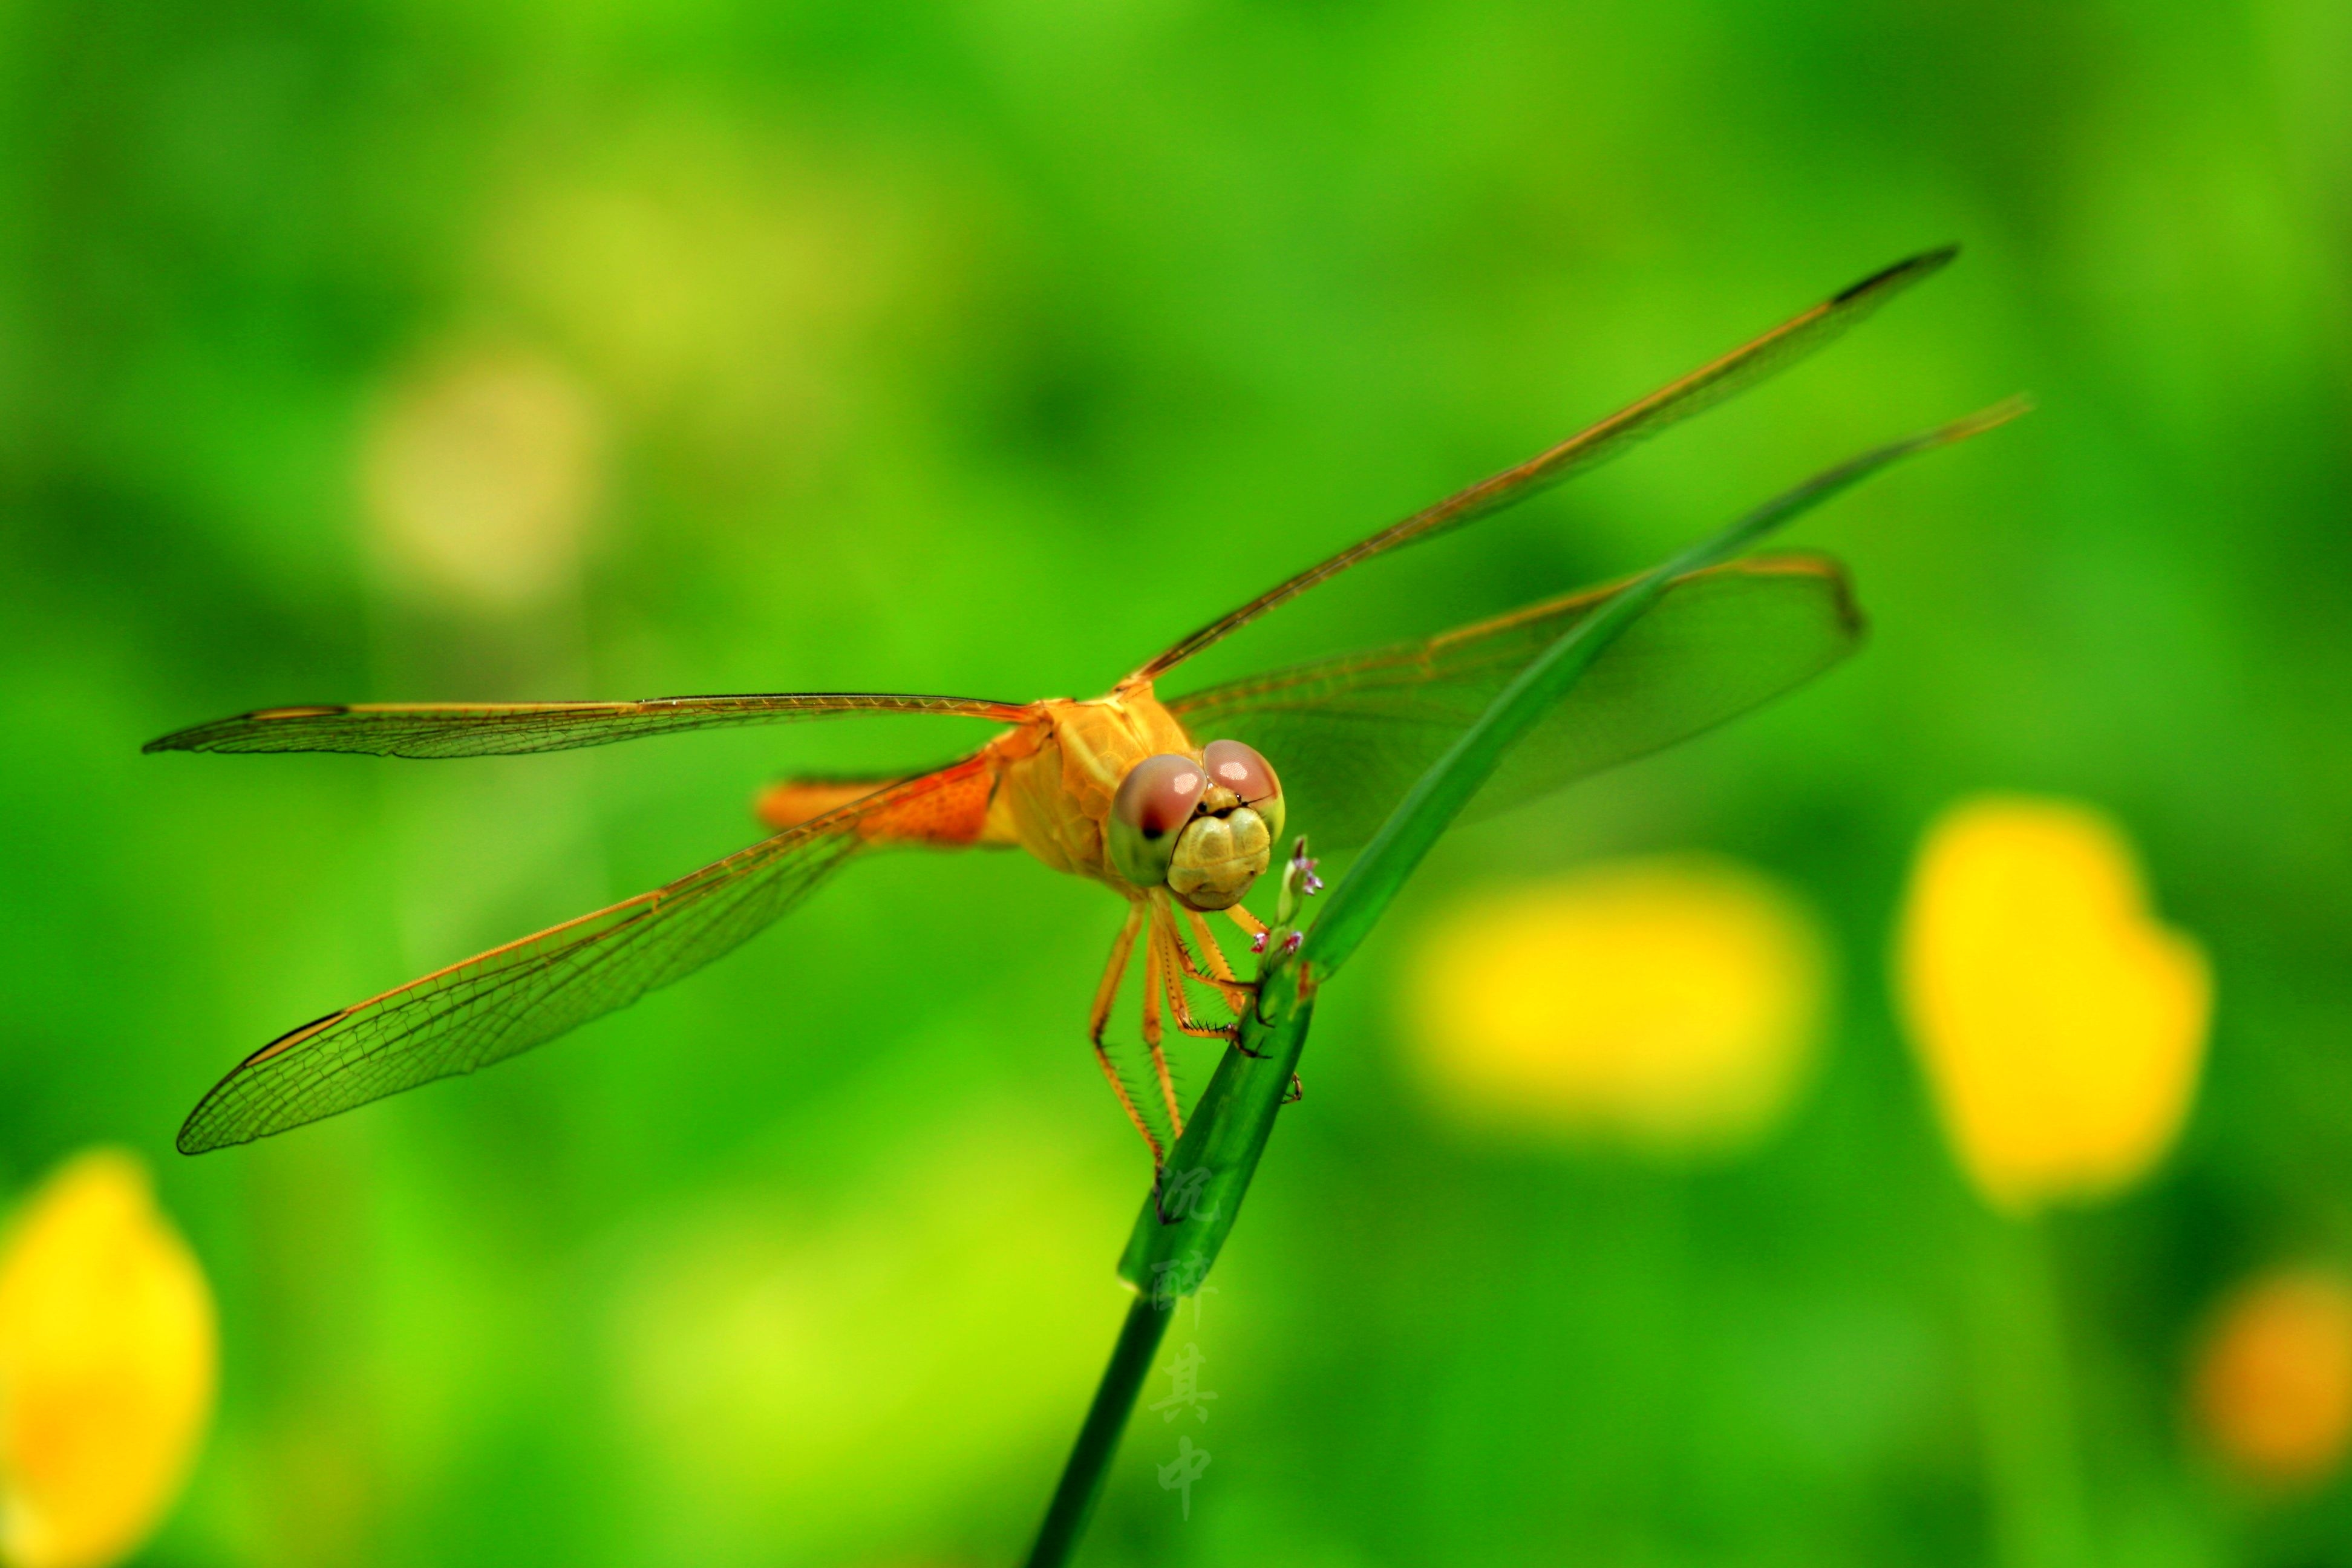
(1198, 1196)
(1195, 1203)
(1192, 1205)
(1423, 816)
(1090, 1457)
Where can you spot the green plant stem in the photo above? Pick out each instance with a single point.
(1090, 1457)
(1198, 1193)
(1197, 1196)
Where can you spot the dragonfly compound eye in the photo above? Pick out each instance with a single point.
(1241, 770)
(1154, 802)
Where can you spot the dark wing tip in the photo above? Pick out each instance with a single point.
(210, 736)
(1902, 274)
(202, 1133)
(195, 737)
(1825, 569)
(1849, 613)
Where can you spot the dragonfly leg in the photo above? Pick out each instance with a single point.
(1175, 964)
(1240, 995)
(1238, 992)
(1154, 984)
(1106, 994)
(1252, 927)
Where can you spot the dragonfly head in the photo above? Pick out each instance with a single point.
(1202, 827)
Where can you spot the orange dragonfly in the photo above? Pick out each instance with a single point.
(1173, 804)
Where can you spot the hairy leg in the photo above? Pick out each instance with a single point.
(1240, 995)
(1106, 994)
(1175, 962)
(1154, 987)
(1238, 992)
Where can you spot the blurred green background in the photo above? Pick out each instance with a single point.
(986, 348)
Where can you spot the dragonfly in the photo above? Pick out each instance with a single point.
(1175, 803)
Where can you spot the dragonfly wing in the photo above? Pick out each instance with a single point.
(504, 1002)
(488, 729)
(1701, 389)
(1350, 735)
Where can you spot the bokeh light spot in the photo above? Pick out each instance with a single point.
(482, 473)
(2061, 1027)
(1670, 1003)
(108, 1359)
(2272, 1381)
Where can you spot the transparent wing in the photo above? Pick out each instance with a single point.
(1349, 736)
(504, 1002)
(1700, 390)
(487, 729)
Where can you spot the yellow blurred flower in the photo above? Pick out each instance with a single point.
(481, 474)
(107, 1364)
(2061, 1027)
(2272, 1381)
(1672, 1004)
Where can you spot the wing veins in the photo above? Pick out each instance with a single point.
(440, 730)
(467, 1015)
(1689, 395)
(503, 999)
(1348, 734)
